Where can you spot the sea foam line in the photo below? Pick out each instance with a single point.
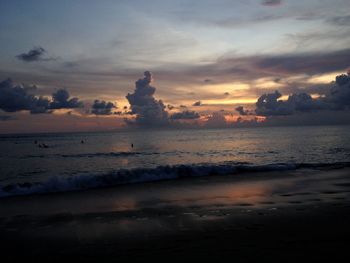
(124, 176)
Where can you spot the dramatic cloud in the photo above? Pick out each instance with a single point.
(17, 97)
(102, 107)
(197, 103)
(250, 68)
(337, 98)
(148, 110)
(35, 54)
(271, 2)
(60, 100)
(185, 115)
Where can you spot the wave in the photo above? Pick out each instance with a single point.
(124, 176)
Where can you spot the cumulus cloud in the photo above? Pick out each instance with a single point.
(18, 97)
(271, 2)
(185, 115)
(148, 110)
(337, 98)
(102, 107)
(197, 103)
(61, 100)
(340, 92)
(268, 104)
(35, 54)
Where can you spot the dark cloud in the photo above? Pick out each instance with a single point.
(248, 68)
(268, 104)
(35, 54)
(339, 94)
(197, 103)
(102, 107)
(226, 93)
(148, 110)
(61, 100)
(307, 63)
(42, 106)
(337, 98)
(18, 97)
(185, 115)
(271, 2)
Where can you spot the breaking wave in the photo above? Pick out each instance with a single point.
(124, 176)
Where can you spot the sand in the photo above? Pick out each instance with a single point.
(276, 216)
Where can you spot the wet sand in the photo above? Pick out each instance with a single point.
(275, 216)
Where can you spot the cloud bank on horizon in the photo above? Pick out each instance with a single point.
(336, 98)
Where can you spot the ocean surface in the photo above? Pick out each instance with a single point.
(106, 159)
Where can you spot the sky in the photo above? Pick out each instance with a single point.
(105, 65)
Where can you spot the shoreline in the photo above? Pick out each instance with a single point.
(123, 177)
(269, 214)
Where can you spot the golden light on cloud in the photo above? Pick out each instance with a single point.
(267, 83)
(66, 111)
(324, 78)
(229, 101)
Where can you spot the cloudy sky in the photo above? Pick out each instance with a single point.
(72, 64)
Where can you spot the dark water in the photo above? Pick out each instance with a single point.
(108, 158)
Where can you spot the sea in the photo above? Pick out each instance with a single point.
(44, 163)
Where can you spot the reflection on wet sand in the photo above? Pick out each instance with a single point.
(167, 205)
(183, 214)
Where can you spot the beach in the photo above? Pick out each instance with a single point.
(256, 216)
(142, 131)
